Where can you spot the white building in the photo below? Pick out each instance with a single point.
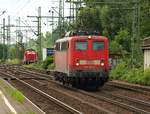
(146, 49)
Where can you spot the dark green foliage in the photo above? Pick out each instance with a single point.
(49, 60)
(3, 52)
(119, 71)
(107, 19)
(20, 51)
(89, 19)
(12, 52)
(145, 18)
(122, 43)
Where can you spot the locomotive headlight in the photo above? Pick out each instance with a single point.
(89, 37)
(102, 64)
(77, 64)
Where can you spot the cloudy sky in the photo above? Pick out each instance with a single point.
(26, 7)
(22, 8)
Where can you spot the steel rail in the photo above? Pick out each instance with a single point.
(125, 106)
(130, 99)
(147, 88)
(56, 101)
(132, 88)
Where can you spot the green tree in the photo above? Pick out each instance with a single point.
(121, 43)
(145, 18)
(89, 19)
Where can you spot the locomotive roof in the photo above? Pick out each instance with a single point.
(78, 37)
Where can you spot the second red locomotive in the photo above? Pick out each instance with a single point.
(81, 59)
(30, 56)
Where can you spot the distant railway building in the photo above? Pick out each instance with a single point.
(146, 50)
(47, 52)
(114, 59)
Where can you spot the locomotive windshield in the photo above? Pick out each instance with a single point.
(98, 45)
(81, 45)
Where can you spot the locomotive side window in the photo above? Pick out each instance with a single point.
(57, 47)
(81, 45)
(64, 46)
(98, 45)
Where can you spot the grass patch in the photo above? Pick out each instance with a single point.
(34, 65)
(17, 95)
(13, 61)
(27, 112)
(14, 93)
(30, 112)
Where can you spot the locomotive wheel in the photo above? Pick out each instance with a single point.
(66, 80)
(73, 82)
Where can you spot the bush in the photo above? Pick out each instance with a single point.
(146, 77)
(119, 71)
(48, 63)
(51, 66)
(132, 75)
(49, 60)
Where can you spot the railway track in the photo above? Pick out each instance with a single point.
(66, 108)
(119, 101)
(137, 88)
(131, 104)
(114, 83)
(132, 87)
(87, 107)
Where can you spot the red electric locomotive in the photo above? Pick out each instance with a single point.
(30, 56)
(81, 59)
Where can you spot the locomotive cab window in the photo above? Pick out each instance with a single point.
(98, 45)
(57, 47)
(81, 45)
(64, 46)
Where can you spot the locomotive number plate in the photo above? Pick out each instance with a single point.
(89, 62)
